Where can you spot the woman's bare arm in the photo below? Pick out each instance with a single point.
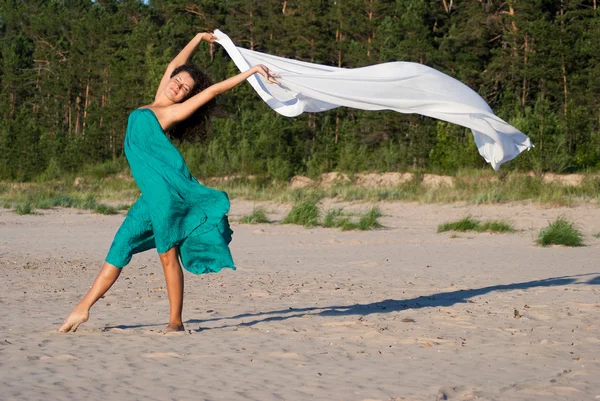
(177, 112)
(182, 58)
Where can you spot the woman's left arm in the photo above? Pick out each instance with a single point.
(180, 111)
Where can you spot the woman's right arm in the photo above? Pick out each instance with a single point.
(182, 58)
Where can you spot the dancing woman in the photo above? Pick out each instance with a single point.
(175, 214)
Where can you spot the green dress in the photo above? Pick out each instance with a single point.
(174, 210)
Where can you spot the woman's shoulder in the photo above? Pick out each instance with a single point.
(150, 114)
(144, 114)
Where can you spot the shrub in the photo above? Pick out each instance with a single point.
(305, 213)
(336, 218)
(560, 232)
(369, 220)
(104, 209)
(257, 216)
(24, 208)
(465, 224)
(470, 224)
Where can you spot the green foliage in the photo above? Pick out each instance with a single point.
(56, 201)
(24, 208)
(470, 224)
(71, 72)
(560, 232)
(597, 235)
(369, 221)
(496, 227)
(454, 149)
(304, 213)
(104, 209)
(465, 224)
(336, 218)
(258, 216)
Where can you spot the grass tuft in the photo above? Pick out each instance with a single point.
(560, 232)
(496, 226)
(304, 213)
(470, 224)
(55, 201)
(597, 235)
(258, 216)
(24, 208)
(101, 208)
(333, 218)
(336, 218)
(465, 224)
(369, 221)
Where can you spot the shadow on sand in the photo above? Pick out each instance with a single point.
(441, 299)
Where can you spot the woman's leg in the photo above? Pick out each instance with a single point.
(106, 278)
(174, 279)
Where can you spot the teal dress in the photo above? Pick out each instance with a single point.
(174, 210)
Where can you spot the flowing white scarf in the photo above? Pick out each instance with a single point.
(400, 86)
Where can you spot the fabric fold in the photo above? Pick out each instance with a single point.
(404, 87)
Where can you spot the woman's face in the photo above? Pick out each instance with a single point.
(179, 87)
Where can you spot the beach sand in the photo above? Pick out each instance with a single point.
(399, 313)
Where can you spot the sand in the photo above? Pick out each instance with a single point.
(400, 313)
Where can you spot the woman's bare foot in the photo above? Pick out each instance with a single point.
(173, 327)
(74, 320)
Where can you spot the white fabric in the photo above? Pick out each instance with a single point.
(400, 86)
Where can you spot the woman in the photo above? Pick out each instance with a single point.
(175, 214)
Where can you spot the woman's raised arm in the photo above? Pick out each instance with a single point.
(182, 58)
(180, 111)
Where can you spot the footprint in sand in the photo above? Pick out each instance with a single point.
(365, 263)
(285, 355)
(61, 357)
(160, 355)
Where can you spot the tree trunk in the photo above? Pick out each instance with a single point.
(338, 33)
(78, 108)
(446, 6)
(86, 101)
(103, 100)
(69, 112)
(371, 33)
(525, 60)
(251, 31)
(12, 97)
(564, 74)
(36, 106)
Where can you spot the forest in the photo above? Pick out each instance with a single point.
(72, 70)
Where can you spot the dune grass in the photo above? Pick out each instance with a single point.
(597, 235)
(113, 182)
(305, 213)
(258, 216)
(336, 218)
(48, 200)
(470, 224)
(560, 232)
(471, 186)
(24, 208)
(101, 208)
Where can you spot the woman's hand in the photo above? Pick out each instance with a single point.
(207, 37)
(265, 72)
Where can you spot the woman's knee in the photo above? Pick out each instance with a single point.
(170, 259)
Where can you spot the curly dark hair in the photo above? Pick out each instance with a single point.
(195, 128)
